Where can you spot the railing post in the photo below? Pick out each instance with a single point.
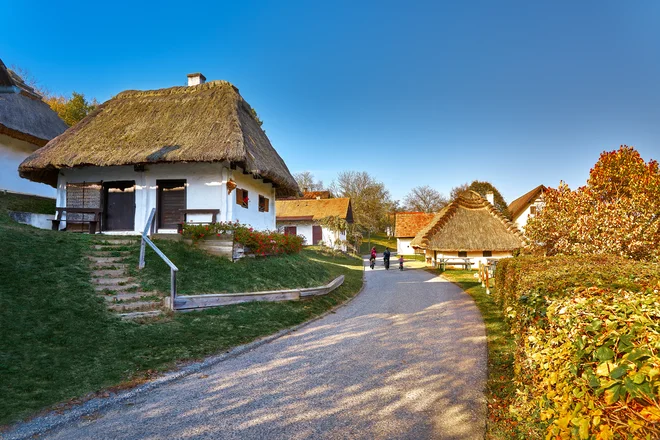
(172, 289)
(142, 249)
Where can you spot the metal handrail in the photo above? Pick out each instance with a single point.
(173, 268)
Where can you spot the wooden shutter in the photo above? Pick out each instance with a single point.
(82, 195)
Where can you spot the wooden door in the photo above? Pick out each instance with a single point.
(290, 230)
(317, 234)
(119, 201)
(171, 199)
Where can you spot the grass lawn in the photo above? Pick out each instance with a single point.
(500, 388)
(380, 241)
(26, 203)
(59, 342)
(201, 273)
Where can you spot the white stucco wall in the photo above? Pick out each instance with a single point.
(475, 257)
(12, 153)
(403, 246)
(305, 229)
(251, 215)
(521, 220)
(206, 189)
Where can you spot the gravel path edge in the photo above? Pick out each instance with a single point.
(53, 420)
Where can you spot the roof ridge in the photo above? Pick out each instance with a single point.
(176, 90)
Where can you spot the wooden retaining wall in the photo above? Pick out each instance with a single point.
(196, 302)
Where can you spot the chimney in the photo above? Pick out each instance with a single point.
(490, 197)
(195, 79)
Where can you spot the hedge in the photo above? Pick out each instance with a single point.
(587, 363)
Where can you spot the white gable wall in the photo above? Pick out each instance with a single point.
(305, 229)
(521, 220)
(206, 189)
(12, 153)
(403, 246)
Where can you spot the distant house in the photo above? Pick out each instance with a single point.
(406, 226)
(194, 153)
(303, 217)
(469, 227)
(526, 206)
(26, 124)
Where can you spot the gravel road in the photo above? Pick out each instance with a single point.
(405, 360)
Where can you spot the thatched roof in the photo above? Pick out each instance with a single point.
(408, 224)
(469, 223)
(313, 209)
(519, 205)
(23, 114)
(209, 122)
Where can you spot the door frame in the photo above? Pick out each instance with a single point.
(104, 203)
(159, 190)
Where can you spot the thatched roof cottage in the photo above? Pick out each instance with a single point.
(304, 217)
(406, 227)
(526, 206)
(194, 152)
(469, 227)
(27, 123)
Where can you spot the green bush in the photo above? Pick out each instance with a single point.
(588, 333)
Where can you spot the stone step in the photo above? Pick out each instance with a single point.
(110, 247)
(119, 281)
(138, 315)
(109, 273)
(106, 260)
(138, 306)
(128, 296)
(111, 254)
(116, 241)
(125, 288)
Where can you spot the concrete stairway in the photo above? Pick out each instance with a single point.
(110, 258)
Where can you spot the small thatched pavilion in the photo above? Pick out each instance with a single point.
(469, 227)
(27, 123)
(196, 152)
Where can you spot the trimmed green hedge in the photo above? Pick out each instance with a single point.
(588, 336)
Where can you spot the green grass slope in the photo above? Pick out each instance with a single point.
(59, 342)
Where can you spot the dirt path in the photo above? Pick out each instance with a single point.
(406, 360)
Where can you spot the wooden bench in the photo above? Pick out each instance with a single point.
(455, 261)
(184, 216)
(92, 223)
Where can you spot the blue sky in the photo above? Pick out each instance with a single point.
(518, 93)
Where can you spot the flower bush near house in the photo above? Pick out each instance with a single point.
(258, 242)
(587, 364)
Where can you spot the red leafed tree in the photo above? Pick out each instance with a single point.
(617, 212)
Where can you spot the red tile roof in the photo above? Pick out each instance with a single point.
(408, 224)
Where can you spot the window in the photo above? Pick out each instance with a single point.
(462, 254)
(263, 204)
(532, 210)
(242, 198)
(488, 253)
(290, 230)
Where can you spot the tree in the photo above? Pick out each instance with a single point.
(617, 212)
(370, 200)
(306, 182)
(71, 110)
(424, 199)
(483, 188)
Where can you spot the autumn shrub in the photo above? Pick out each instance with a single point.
(588, 335)
(617, 212)
(257, 242)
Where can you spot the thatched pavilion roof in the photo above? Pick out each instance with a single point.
(314, 209)
(469, 223)
(521, 203)
(23, 114)
(209, 122)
